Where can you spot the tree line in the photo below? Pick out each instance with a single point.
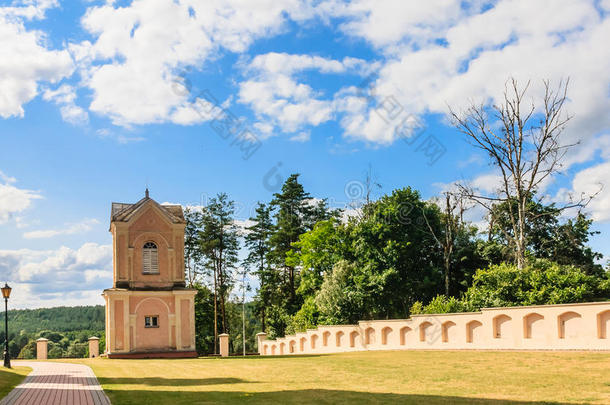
(402, 254)
(67, 328)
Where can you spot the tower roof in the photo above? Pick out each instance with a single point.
(123, 212)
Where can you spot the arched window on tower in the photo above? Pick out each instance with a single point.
(150, 259)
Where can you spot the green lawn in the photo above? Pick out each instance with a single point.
(11, 377)
(431, 377)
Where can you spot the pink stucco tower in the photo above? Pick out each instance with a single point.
(149, 311)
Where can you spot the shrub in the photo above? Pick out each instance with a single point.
(440, 304)
(54, 351)
(305, 318)
(28, 351)
(77, 350)
(541, 282)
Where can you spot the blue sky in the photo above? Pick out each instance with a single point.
(101, 99)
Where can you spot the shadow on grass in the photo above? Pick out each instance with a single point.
(283, 356)
(309, 396)
(9, 380)
(232, 357)
(172, 382)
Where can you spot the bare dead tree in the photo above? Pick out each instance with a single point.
(526, 149)
(452, 220)
(370, 184)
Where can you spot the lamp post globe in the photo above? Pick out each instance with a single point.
(6, 293)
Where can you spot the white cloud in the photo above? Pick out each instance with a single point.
(65, 97)
(57, 277)
(282, 63)
(29, 9)
(348, 213)
(386, 23)
(265, 129)
(7, 179)
(489, 183)
(588, 182)
(446, 55)
(14, 200)
(302, 136)
(278, 100)
(136, 81)
(474, 159)
(439, 55)
(69, 229)
(242, 225)
(26, 60)
(118, 135)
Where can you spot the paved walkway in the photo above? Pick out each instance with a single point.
(57, 383)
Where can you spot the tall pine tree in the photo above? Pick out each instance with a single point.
(220, 245)
(296, 213)
(192, 245)
(293, 211)
(257, 242)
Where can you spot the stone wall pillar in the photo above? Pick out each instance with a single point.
(94, 346)
(41, 348)
(259, 341)
(224, 344)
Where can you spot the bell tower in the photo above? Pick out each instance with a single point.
(149, 310)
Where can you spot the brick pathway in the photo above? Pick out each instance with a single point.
(57, 383)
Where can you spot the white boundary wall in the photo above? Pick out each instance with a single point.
(583, 326)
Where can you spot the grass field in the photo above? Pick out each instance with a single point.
(11, 377)
(431, 377)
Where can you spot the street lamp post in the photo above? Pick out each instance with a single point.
(6, 293)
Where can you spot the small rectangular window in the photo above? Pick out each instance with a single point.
(151, 321)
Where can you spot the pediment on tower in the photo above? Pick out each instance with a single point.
(122, 212)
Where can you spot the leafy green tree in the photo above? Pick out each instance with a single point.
(398, 258)
(59, 319)
(378, 264)
(546, 236)
(305, 318)
(28, 351)
(54, 337)
(538, 223)
(102, 343)
(278, 319)
(457, 241)
(342, 298)
(13, 349)
(76, 350)
(234, 311)
(569, 246)
(55, 351)
(204, 320)
(74, 325)
(316, 252)
(275, 254)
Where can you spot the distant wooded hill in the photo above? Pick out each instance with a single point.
(59, 319)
